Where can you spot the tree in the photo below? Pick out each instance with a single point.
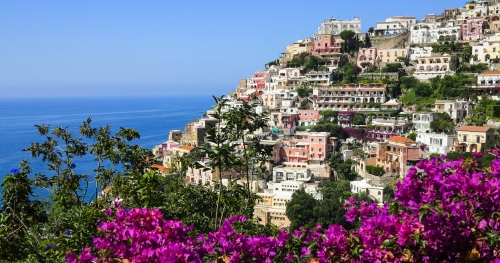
(300, 210)
(304, 91)
(412, 136)
(359, 119)
(328, 116)
(335, 130)
(375, 170)
(347, 36)
(371, 30)
(408, 82)
(335, 160)
(423, 89)
(466, 53)
(443, 124)
(330, 210)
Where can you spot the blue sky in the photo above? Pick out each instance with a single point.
(158, 48)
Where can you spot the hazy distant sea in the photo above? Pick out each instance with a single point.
(153, 117)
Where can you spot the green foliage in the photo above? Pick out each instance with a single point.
(423, 89)
(466, 53)
(300, 210)
(335, 130)
(335, 160)
(375, 170)
(365, 64)
(308, 62)
(329, 115)
(412, 136)
(18, 214)
(447, 48)
(360, 119)
(474, 68)
(485, 161)
(482, 112)
(35, 230)
(408, 82)
(392, 67)
(347, 36)
(345, 171)
(443, 125)
(349, 73)
(330, 210)
(304, 91)
(388, 193)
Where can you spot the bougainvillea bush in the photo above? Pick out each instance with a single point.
(444, 211)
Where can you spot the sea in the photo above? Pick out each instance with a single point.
(152, 117)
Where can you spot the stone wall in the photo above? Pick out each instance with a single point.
(390, 41)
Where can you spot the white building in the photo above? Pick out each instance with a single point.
(485, 51)
(457, 109)
(437, 143)
(424, 33)
(281, 173)
(434, 32)
(418, 52)
(436, 65)
(356, 97)
(334, 27)
(374, 192)
(422, 121)
(489, 78)
(395, 25)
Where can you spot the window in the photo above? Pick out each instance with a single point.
(320, 140)
(478, 139)
(464, 138)
(379, 193)
(312, 140)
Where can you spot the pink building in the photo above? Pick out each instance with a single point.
(308, 117)
(367, 55)
(397, 155)
(258, 81)
(473, 28)
(308, 147)
(325, 45)
(288, 121)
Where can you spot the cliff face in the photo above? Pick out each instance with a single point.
(392, 41)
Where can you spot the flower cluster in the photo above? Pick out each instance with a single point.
(444, 211)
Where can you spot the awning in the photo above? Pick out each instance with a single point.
(275, 129)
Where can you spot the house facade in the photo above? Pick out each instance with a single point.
(334, 26)
(325, 44)
(473, 138)
(437, 143)
(397, 155)
(356, 97)
(436, 65)
(422, 121)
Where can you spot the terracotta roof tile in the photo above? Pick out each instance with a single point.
(474, 128)
(187, 147)
(490, 73)
(159, 167)
(401, 139)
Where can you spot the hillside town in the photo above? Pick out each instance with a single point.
(376, 102)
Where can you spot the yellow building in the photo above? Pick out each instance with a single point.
(473, 138)
(297, 48)
(470, 5)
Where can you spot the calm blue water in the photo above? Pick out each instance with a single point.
(153, 118)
